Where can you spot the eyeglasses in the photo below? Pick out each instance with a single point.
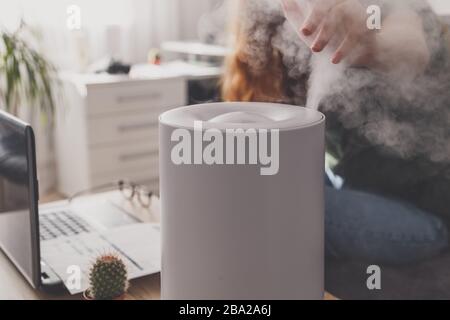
(129, 190)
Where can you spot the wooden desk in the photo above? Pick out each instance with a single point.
(14, 287)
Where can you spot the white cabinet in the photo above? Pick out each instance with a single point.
(108, 130)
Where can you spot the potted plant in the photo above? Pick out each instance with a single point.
(27, 78)
(29, 90)
(108, 279)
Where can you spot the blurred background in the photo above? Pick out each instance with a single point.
(110, 67)
(126, 29)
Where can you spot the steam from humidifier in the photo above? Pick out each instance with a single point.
(323, 73)
(296, 12)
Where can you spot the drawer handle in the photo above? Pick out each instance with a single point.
(142, 97)
(136, 156)
(137, 126)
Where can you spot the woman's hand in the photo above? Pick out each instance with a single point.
(344, 23)
(400, 48)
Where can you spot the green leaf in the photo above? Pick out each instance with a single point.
(26, 76)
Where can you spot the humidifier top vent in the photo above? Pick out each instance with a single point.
(230, 115)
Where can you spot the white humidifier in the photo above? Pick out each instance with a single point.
(242, 203)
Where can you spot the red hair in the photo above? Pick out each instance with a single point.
(241, 82)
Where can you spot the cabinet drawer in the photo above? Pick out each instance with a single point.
(139, 95)
(125, 157)
(124, 128)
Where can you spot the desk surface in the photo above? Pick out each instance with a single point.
(14, 287)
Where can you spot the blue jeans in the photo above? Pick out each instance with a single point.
(363, 226)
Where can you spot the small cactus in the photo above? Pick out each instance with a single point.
(108, 278)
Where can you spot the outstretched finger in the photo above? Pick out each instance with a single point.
(327, 30)
(315, 18)
(344, 49)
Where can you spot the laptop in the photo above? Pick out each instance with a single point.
(47, 243)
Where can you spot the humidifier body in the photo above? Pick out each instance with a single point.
(231, 230)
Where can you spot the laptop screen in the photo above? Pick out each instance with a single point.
(18, 204)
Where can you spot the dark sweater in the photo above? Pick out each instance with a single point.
(397, 142)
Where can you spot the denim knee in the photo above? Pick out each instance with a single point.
(364, 226)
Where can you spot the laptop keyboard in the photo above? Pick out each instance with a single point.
(61, 223)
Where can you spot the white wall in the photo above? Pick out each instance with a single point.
(441, 6)
(191, 12)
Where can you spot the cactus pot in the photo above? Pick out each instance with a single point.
(87, 296)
